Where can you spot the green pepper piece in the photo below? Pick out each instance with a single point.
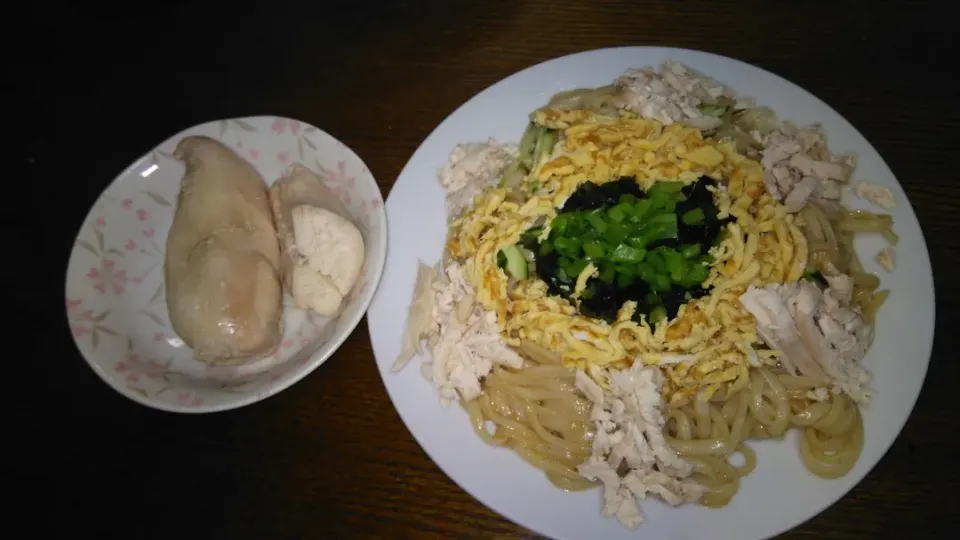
(575, 268)
(676, 264)
(607, 274)
(627, 198)
(645, 271)
(616, 214)
(655, 259)
(661, 227)
(560, 224)
(665, 188)
(587, 293)
(615, 233)
(693, 217)
(628, 269)
(625, 280)
(597, 222)
(640, 209)
(626, 254)
(658, 314)
(661, 283)
(696, 274)
(639, 242)
(594, 250)
(690, 251)
(568, 247)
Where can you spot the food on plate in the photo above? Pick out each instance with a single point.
(887, 258)
(222, 258)
(878, 195)
(322, 250)
(657, 273)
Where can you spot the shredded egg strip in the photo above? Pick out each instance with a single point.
(713, 335)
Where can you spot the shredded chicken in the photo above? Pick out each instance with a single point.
(798, 166)
(629, 435)
(796, 161)
(670, 95)
(887, 258)
(470, 170)
(876, 194)
(463, 339)
(819, 332)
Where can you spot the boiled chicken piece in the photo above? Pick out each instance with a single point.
(323, 251)
(222, 258)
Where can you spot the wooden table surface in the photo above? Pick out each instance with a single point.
(330, 458)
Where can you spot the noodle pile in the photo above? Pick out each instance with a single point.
(537, 413)
(708, 433)
(831, 231)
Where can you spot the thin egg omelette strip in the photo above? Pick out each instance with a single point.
(709, 345)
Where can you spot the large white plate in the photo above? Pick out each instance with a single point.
(780, 493)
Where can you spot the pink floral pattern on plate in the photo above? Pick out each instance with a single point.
(115, 301)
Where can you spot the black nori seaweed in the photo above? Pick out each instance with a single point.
(590, 196)
(607, 299)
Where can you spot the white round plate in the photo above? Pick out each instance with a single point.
(115, 289)
(780, 494)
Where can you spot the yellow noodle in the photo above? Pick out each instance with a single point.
(831, 436)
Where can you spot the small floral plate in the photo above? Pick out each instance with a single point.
(115, 289)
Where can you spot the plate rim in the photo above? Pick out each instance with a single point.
(857, 478)
(296, 374)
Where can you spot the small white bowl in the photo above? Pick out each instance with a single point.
(115, 289)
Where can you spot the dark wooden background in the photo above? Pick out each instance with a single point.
(329, 458)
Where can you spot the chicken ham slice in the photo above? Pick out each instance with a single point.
(817, 332)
